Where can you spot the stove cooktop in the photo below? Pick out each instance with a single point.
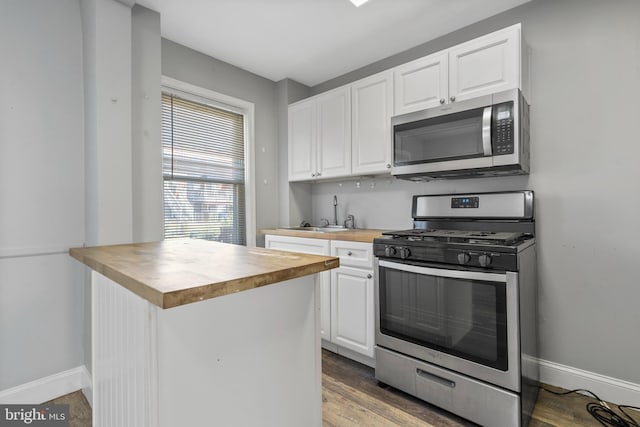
(459, 236)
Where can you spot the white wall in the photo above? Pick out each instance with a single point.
(148, 222)
(41, 189)
(106, 26)
(585, 83)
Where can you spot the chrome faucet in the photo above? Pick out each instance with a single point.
(335, 210)
(350, 222)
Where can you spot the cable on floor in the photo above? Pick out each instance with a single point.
(602, 412)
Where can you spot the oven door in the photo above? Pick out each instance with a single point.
(466, 321)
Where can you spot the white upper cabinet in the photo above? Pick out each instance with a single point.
(485, 65)
(334, 134)
(482, 66)
(372, 108)
(422, 83)
(320, 136)
(346, 131)
(302, 141)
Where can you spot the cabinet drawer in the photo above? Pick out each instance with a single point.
(297, 244)
(353, 254)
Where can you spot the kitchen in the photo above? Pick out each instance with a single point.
(587, 289)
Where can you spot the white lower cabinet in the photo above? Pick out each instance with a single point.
(351, 310)
(346, 301)
(352, 322)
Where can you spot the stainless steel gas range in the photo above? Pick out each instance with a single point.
(456, 306)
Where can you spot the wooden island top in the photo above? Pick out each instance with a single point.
(176, 272)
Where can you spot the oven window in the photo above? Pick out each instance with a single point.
(465, 318)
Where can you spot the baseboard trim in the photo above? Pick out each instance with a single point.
(47, 388)
(350, 354)
(607, 388)
(88, 393)
(56, 385)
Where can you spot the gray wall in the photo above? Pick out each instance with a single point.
(585, 83)
(41, 189)
(190, 66)
(295, 198)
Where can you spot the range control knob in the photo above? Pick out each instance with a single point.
(389, 251)
(484, 260)
(463, 258)
(405, 253)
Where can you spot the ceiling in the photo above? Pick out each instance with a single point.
(312, 41)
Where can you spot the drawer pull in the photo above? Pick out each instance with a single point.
(435, 378)
(349, 253)
(369, 276)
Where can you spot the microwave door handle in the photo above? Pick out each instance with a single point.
(486, 131)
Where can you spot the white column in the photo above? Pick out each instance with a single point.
(108, 165)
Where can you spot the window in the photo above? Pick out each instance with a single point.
(203, 150)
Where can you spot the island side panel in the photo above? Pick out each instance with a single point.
(250, 358)
(123, 356)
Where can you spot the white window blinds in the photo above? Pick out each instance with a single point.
(203, 168)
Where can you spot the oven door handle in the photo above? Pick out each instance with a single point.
(455, 274)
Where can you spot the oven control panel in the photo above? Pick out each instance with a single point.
(453, 256)
(465, 202)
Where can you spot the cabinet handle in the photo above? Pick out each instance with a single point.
(369, 276)
(452, 98)
(313, 175)
(388, 166)
(318, 174)
(441, 100)
(349, 253)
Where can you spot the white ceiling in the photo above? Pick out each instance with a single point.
(312, 41)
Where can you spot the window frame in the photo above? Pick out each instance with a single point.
(247, 109)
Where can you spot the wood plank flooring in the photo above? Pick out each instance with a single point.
(352, 397)
(390, 407)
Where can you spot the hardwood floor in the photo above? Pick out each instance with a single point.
(351, 396)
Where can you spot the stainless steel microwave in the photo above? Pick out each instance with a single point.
(484, 136)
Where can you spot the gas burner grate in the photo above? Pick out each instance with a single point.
(458, 236)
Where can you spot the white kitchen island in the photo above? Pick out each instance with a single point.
(196, 333)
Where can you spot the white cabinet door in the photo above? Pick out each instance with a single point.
(352, 324)
(371, 110)
(334, 133)
(485, 65)
(302, 141)
(421, 84)
(310, 246)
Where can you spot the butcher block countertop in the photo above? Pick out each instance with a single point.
(176, 272)
(354, 235)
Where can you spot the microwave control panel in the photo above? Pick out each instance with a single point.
(502, 129)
